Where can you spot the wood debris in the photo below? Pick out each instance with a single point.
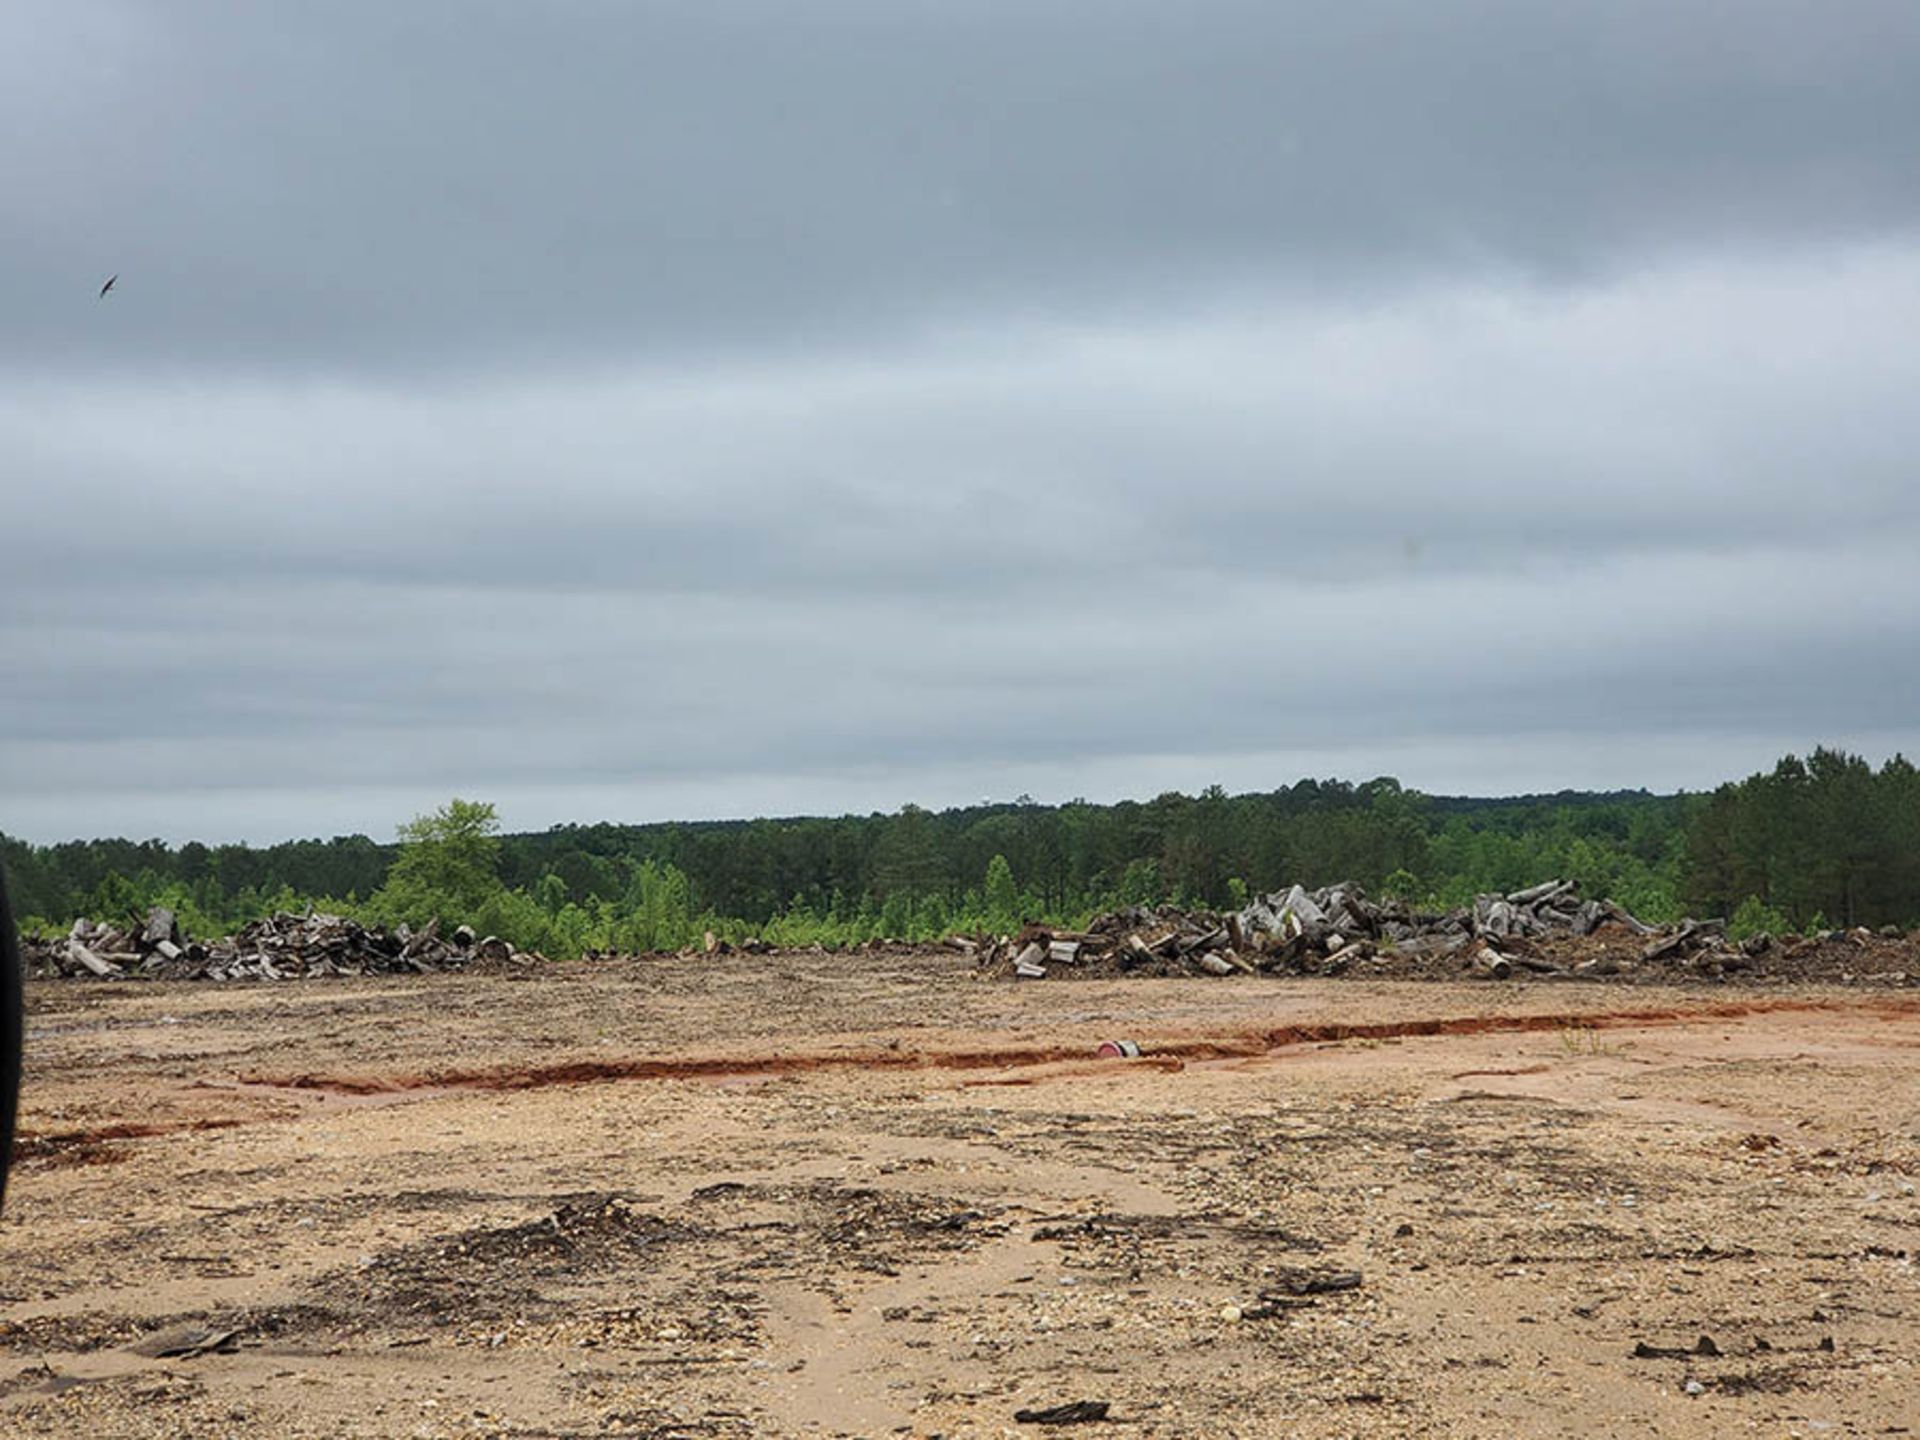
(284, 946)
(1340, 930)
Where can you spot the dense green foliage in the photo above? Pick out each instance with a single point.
(1827, 839)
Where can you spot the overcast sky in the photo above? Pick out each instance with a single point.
(689, 408)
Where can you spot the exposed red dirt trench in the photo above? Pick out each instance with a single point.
(1212, 1045)
(58, 1149)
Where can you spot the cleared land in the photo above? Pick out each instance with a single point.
(801, 1195)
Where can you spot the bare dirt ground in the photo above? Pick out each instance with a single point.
(876, 1196)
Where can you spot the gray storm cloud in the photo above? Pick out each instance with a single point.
(724, 409)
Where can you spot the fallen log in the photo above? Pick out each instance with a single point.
(1313, 1282)
(1542, 893)
(1211, 940)
(160, 928)
(1491, 963)
(1681, 939)
(81, 955)
(1500, 918)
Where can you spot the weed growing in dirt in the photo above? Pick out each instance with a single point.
(1584, 1040)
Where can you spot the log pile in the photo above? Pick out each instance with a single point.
(284, 946)
(1553, 908)
(1136, 940)
(1339, 929)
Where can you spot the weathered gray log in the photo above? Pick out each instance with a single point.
(81, 955)
(1681, 939)
(1496, 917)
(1491, 963)
(1542, 893)
(168, 949)
(160, 928)
(185, 1340)
(1213, 964)
(1302, 907)
(421, 940)
(1210, 940)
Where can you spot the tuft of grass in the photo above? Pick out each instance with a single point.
(1583, 1040)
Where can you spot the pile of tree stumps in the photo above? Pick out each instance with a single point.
(283, 946)
(1339, 929)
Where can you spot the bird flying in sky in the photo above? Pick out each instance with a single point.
(109, 285)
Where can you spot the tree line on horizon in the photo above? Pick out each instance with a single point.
(1825, 841)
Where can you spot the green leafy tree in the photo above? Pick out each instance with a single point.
(448, 865)
(1402, 884)
(896, 916)
(1756, 917)
(551, 893)
(908, 860)
(659, 910)
(1002, 896)
(1140, 883)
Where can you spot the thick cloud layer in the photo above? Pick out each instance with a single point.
(729, 409)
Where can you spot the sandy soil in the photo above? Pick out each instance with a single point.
(876, 1196)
